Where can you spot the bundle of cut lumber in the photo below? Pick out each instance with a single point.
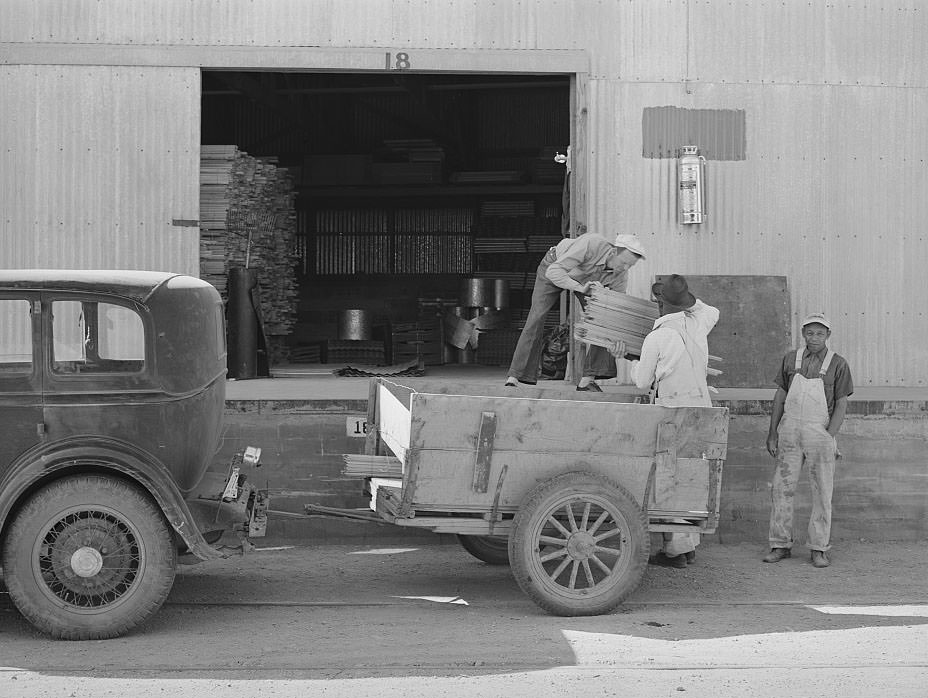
(248, 218)
(361, 465)
(611, 317)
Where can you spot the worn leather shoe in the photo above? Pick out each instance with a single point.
(777, 554)
(690, 557)
(820, 559)
(591, 387)
(662, 560)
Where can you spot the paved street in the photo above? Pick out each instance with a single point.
(433, 621)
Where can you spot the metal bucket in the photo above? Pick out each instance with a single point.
(500, 293)
(476, 293)
(355, 323)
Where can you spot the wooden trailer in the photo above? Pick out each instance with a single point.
(562, 485)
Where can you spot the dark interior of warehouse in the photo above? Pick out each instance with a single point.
(399, 203)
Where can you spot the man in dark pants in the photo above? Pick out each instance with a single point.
(813, 386)
(574, 264)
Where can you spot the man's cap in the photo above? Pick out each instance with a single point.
(631, 243)
(817, 318)
(676, 292)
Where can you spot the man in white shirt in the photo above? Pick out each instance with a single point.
(674, 363)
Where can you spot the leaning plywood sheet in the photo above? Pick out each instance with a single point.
(754, 328)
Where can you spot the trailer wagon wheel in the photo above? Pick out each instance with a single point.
(579, 545)
(88, 557)
(493, 550)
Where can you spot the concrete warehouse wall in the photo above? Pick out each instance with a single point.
(881, 483)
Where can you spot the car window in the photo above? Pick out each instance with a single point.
(92, 337)
(15, 336)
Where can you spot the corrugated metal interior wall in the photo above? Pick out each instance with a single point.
(835, 96)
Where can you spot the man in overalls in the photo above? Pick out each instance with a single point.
(813, 386)
(674, 362)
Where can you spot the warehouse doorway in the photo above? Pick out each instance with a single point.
(377, 208)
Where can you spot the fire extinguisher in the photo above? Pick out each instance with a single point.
(691, 185)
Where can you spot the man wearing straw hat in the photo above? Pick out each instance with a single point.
(574, 264)
(674, 363)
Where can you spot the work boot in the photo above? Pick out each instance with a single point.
(591, 386)
(662, 560)
(690, 557)
(777, 554)
(820, 559)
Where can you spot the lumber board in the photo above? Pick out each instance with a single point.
(248, 218)
(450, 422)
(465, 526)
(395, 423)
(386, 494)
(404, 387)
(444, 480)
(610, 317)
(359, 465)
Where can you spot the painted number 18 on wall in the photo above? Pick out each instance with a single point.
(357, 426)
(397, 61)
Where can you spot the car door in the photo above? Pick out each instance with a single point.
(21, 381)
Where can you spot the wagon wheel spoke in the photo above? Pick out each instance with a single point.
(589, 574)
(573, 576)
(557, 524)
(615, 552)
(560, 568)
(599, 522)
(554, 556)
(602, 565)
(607, 534)
(586, 517)
(551, 540)
(571, 518)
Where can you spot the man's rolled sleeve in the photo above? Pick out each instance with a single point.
(844, 384)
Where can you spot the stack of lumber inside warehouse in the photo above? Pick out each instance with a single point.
(242, 195)
(611, 317)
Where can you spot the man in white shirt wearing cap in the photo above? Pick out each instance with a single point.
(574, 264)
(813, 385)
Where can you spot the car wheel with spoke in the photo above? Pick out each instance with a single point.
(579, 545)
(88, 557)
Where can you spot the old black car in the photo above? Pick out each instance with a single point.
(112, 387)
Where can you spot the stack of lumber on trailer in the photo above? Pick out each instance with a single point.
(241, 195)
(611, 317)
(361, 465)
